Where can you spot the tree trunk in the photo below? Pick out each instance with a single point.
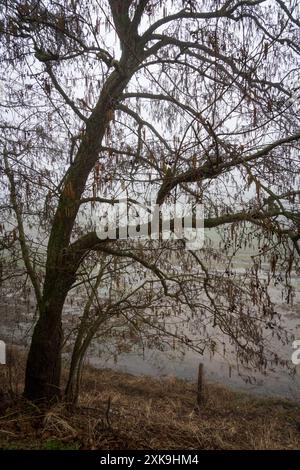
(43, 368)
(72, 388)
(82, 343)
(84, 336)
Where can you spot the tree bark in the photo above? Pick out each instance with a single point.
(42, 378)
(43, 368)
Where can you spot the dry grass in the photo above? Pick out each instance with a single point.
(122, 411)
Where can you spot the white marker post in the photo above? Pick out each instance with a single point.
(2, 352)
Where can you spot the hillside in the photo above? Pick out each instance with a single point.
(122, 411)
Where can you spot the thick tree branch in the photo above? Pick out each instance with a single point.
(210, 170)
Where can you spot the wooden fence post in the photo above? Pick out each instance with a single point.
(200, 386)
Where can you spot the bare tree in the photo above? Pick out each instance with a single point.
(103, 99)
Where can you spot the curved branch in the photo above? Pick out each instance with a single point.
(63, 93)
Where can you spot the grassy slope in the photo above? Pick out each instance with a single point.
(122, 411)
